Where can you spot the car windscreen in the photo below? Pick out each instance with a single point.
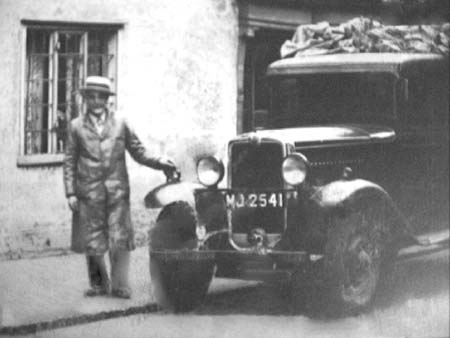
(312, 99)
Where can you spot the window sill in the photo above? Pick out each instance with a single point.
(39, 160)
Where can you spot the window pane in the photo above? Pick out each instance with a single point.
(98, 42)
(70, 65)
(427, 103)
(37, 100)
(99, 64)
(69, 79)
(332, 98)
(69, 43)
(38, 41)
(100, 56)
(36, 141)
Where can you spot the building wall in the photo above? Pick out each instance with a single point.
(176, 85)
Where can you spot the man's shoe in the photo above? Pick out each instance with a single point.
(121, 293)
(96, 291)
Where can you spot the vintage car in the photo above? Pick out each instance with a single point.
(348, 166)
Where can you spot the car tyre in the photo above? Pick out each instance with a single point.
(357, 253)
(179, 282)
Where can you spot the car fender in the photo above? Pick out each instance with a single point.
(341, 197)
(338, 193)
(168, 193)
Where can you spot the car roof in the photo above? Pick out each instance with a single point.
(345, 63)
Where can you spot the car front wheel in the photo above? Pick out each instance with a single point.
(356, 255)
(180, 276)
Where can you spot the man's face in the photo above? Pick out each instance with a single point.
(96, 102)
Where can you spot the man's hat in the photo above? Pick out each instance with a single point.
(98, 84)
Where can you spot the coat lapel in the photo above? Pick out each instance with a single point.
(87, 123)
(108, 125)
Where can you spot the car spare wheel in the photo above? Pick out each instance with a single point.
(180, 277)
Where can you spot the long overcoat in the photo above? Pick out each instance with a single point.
(95, 172)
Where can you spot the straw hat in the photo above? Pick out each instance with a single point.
(98, 84)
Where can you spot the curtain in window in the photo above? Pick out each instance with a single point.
(37, 107)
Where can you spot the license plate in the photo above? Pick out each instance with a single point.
(255, 200)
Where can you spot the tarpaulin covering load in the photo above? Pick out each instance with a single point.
(364, 35)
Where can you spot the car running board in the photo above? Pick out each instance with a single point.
(427, 244)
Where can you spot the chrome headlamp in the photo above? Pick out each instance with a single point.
(294, 169)
(210, 171)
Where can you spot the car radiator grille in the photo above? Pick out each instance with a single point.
(256, 167)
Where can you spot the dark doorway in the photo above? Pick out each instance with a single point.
(261, 50)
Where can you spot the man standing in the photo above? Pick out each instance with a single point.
(97, 188)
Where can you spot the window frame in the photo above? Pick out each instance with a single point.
(49, 159)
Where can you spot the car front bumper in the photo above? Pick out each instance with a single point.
(265, 266)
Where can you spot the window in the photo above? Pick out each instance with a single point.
(57, 62)
(310, 99)
(427, 103)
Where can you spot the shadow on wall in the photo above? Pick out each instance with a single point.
(191, 149)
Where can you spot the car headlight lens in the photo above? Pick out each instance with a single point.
(295, 168)
(210, 171)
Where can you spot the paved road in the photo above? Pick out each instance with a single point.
(414, 303)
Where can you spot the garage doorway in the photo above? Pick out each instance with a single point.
(261, 49)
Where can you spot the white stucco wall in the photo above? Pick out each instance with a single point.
(176, 84)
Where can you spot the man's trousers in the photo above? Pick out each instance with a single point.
(98, 272)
